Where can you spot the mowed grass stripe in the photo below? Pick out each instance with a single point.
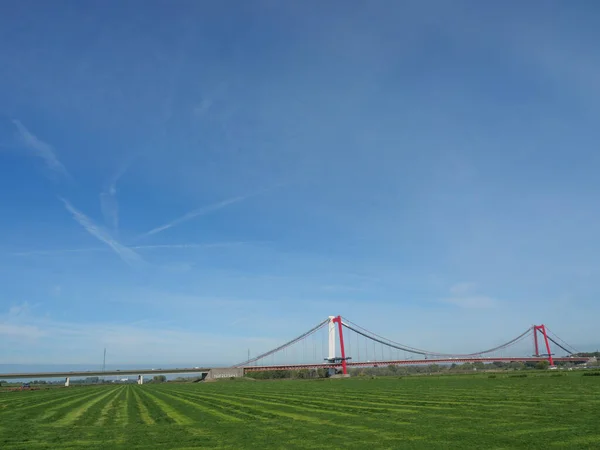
(18, 399)
(316, 406)
(119, 417)
(403, 404)
(221, 410)
(132, 411)
(58, 398)
(44, 413)
(96, 410)
(139, 410)
(354, 406)
(76, 413)
(278, 412)
(107, 407)
(224, 409)
(354, 425)
(545, 413)
(281, 409)
(327, 409)
(124, 412)
(351, 422)
(402, 397)
(155, 412)
(199, 411)
(166, 409)
(483, 401)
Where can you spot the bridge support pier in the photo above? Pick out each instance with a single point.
(542, 329)
(331, 356)
(332, 359)
(67, 381)
(338, 319)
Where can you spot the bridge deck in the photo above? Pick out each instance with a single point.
(404, 362)
(93, 373)
(408, 362)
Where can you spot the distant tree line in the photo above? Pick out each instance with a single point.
(303, 374)
(159, 378)
(392, 370)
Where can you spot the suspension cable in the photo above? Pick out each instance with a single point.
(287, 344)
(406, 348)
(558, 337)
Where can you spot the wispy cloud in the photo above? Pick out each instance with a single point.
(140, 342)
(463, 295)
(40, 148)
(189, 246)
(8, 330)
(471, 302)
(64, 251)
(125, 253)
(108, 198)
(333, 288)
(462, 288)
(60, 251)
(203, 107)
(200, 212)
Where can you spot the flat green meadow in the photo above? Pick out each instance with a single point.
(540, 411)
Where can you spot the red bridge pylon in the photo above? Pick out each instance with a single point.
(542, 329)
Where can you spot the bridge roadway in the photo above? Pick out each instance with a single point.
(95, 373)
(401, 362)
(409, 362)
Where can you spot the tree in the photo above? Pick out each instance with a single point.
(478, 365)
(322, 372)
(542, 365)
(159, 378)
(434, 368)
(516, 365)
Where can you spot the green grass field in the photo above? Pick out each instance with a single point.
(412, 412)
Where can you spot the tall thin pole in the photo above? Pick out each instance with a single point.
(104, 361)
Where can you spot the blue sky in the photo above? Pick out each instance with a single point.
(181, 183)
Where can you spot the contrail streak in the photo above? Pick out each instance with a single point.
(199, 212)
(125, 253)
(40, 148)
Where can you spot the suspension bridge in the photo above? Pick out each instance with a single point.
(338, 344)
(350, 345)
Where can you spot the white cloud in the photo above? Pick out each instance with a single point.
(464, 295)
(43, 340)
(14, 324)
(334, 288)
(40, 149)
(20, 311)
(471, 302)
(203, 107)
(14, 331)
(462, 288)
